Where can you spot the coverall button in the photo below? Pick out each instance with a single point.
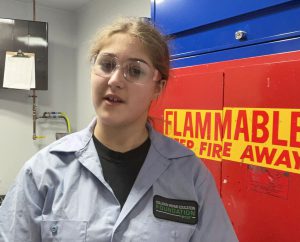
(54, 228)
(29, 171)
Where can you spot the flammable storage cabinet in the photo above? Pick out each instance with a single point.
(234, 99)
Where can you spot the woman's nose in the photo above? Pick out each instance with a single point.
(117, 79)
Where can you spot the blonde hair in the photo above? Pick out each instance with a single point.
(154, 42)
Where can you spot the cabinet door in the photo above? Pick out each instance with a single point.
(187, 112)
(38, 32)
(28, 36)
(6, 30)
(261, 178)
(176, 15)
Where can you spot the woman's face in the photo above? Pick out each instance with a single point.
(117, 101)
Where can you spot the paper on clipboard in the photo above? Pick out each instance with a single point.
(19, 72)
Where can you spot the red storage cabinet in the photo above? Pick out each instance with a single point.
(237, 106)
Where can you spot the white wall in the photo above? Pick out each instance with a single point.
(16, 144)
(68, 72)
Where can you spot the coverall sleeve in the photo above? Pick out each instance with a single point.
(20, 213)
(213, 224)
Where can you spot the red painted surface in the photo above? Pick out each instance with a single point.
(197, 91)
(263, 203)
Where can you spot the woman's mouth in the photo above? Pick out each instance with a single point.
(113, 99)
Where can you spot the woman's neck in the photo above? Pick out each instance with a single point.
(120, 139)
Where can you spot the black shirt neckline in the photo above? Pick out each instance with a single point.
(119, 157)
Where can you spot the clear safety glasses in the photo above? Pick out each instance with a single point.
(134, 70)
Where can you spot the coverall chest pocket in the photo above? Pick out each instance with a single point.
(63, 230)
(168, 231)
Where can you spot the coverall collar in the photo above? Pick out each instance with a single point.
(161, 153)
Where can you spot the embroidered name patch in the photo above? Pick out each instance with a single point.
(182, 211)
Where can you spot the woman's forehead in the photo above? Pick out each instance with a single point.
(125, 45)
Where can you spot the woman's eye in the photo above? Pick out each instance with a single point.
(135, 71)
(107, 66)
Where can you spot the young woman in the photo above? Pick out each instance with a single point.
(118, 179)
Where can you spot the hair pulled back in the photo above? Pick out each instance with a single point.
(153, 41)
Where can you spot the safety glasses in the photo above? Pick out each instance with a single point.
(133, 70)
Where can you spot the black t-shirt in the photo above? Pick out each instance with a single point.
(121, 169)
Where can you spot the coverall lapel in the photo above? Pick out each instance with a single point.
(89, 159)
(154, 165)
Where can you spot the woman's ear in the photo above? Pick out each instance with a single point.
(160, 86)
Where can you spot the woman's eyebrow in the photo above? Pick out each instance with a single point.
(131, 58)
(107, 53)
(138, 59)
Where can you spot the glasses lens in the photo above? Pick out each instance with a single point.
(137, 71)
(105, 65)
(133, 70)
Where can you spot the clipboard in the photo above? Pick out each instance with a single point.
(19, 71)
(19, 53)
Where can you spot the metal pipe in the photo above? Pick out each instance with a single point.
(33, 5)
(34, 106)
(34, 116)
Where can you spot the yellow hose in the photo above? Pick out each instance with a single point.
(39, 137)
(63, 114)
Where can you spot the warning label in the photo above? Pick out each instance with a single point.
(263, 137)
